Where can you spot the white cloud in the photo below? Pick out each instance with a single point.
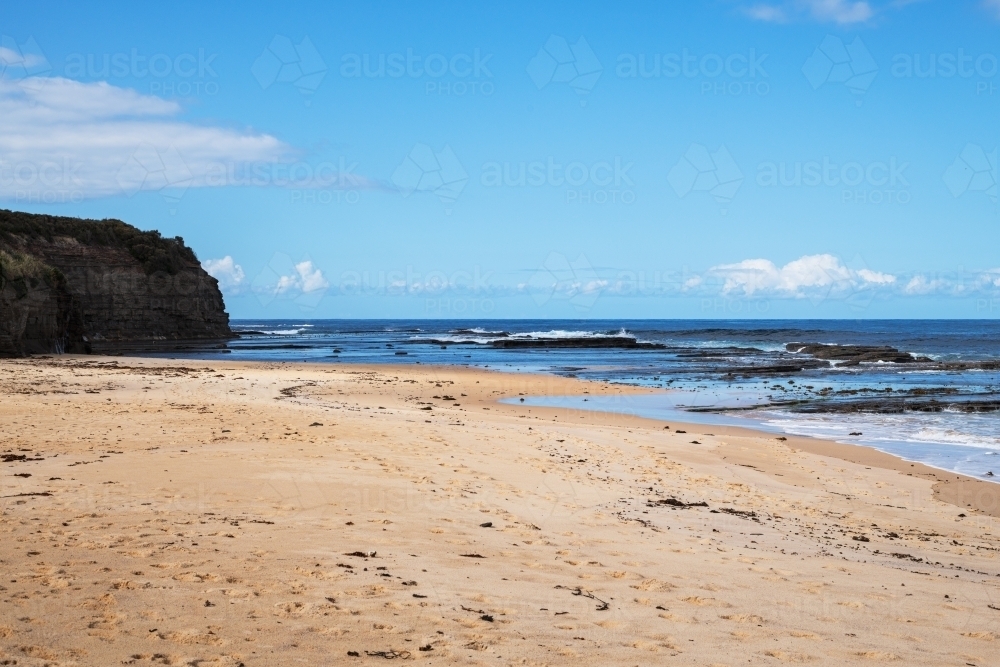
(229, 274)
(306, 279)
(796, 278)
(836, 11)
(840, 11)
(61, 135)
(692, 283)
(769, 13)
(921, 285)
(875, 277)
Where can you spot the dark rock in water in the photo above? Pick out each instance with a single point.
(627, 342)
(899, 405)
(852, 355)
(506, 341)
(776, 369)
(73, 285)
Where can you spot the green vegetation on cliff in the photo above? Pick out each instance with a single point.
(152, 251)
(23, 271)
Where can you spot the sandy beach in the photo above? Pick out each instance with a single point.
(159, 512)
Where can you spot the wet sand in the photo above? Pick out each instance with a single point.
(218, 513)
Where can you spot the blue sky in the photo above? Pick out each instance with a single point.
(792, 158)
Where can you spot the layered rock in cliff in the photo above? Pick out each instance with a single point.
(75, 285)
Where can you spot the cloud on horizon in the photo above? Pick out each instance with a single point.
(842, 12)
(752, 277)
(817, 277)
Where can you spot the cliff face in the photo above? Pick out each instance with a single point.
(101, 286)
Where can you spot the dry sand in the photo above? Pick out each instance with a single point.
(193, 513)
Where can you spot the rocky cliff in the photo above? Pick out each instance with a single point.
(73, 285)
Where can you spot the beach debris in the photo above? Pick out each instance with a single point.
(743, 514)
(354, 654)
(679, 431)
(418, 595)
(362, 554)
(860, 538)
(22, 474)
(488, 524)
(483, 615)
(906, 557)
(472, 556)
(388, 655)
(11, 458)
(576, 590)
(46, 493)
(315, 424)
(673, 502)
(428, 647)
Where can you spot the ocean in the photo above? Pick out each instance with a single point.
(924, 390)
